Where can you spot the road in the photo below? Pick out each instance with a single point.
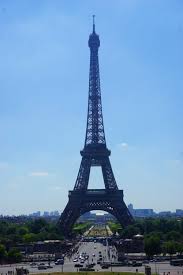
(92, 248)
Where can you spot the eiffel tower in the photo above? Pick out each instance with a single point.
(95, 153)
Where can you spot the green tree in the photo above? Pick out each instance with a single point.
(152, 246)
(14, 256)
(79, 228)
(173, 236)
(180, 248)
(23, 230)
(38, 225)
(129, 232)
(3, 227)
(29, 237)
(181, 226)
(115, 227)
(170, 247)
(12, 230)
(3, 253)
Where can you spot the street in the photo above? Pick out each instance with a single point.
(93, 250)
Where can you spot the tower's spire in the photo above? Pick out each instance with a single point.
(93, 23)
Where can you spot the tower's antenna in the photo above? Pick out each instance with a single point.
(93, 23)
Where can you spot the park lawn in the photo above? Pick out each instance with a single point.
(97, 232)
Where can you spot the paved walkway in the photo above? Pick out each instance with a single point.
(88, 231)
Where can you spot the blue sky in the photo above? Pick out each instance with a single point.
(44, 87)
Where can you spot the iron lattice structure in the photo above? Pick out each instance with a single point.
(95, 153)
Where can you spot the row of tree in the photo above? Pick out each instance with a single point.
(167, 229)
(153, 245)
(161, 235)
(29, 231)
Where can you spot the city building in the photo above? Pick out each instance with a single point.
(55, 213)
(35, 214)
(141, 213)
(179, 212)
(166, 214)
(46, 214)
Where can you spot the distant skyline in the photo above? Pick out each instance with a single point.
(46, 213)
(44, 72)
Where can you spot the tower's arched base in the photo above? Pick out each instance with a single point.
(81, 202)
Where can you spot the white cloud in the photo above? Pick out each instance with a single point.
(124, 146)
(38, 174)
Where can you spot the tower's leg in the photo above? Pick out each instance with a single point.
(122, 213)
(109, 180)
(68, 218)
(83, 174)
